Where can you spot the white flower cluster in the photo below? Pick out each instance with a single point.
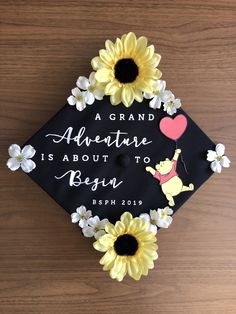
(91, 226)
(158, 218)
(161, 95)
(217, 158)
(94, 227)
(88, 89)
(85, 93)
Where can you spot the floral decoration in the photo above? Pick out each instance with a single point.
(162, 96)
(160, 218)
(81, 216)
(163, 217)
(218, 159)
(95, 228)
(127, 68)
(79, 99)
(93, 89)
(91, 226)
(130, 244)
(129, 248)
(151, 221)
(21, 158)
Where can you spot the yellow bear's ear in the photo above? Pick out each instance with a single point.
(167, 159)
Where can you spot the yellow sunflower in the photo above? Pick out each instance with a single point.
(129, 248)
(127, 68)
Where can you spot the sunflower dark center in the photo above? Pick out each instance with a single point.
(126, 244)
(126, 70)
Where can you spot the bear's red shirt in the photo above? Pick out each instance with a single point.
(166, 177)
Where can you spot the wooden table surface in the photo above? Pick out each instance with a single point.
(46, 266)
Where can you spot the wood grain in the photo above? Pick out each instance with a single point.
(46, 266)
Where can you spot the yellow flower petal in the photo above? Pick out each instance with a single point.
(123, 38)
(116, 98)
(151, 246)
(134, 270)
(147, 261)
(97, 63)
(99, 247)
(104, 242)
(123, 271)
(105, 57)
(144, 86)
(156, 59)
(145, 271)
(138, 95)
(127, 95)
(118, 268)
(146, 238)
(122, 274)
(103, 75)
(125, 218)
(110, 228)
(119, 227)
(152, 254)
(112, 88)
(137, 224)
(158, 74)
(110, 46)
(107, 240)
(148, 72)
(149, 52)
(118, 48)
(130, 44)
(108, 258)
(141, 46)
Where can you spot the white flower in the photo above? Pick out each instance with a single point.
(91, 87)
(79, 99)
(21, 158)
(158, 218)
(95, 227)
(217, 158)
(160, 95)
(163, 217)
(81, 215)
(151, 221)
(172, 105)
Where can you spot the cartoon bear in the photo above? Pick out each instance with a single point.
(170, 182)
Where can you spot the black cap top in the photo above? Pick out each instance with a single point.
(108, 157)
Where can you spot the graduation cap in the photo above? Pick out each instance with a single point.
(121, 156)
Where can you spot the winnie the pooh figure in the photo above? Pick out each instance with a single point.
(170, 182)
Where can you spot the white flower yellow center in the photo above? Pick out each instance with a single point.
(79, 98)
(156, 92)
(20, 158)
(91, 88)
(164, 215)
(170, 104)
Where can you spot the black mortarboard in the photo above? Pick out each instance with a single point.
(132, 166)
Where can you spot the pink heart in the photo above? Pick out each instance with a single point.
(173, 128)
